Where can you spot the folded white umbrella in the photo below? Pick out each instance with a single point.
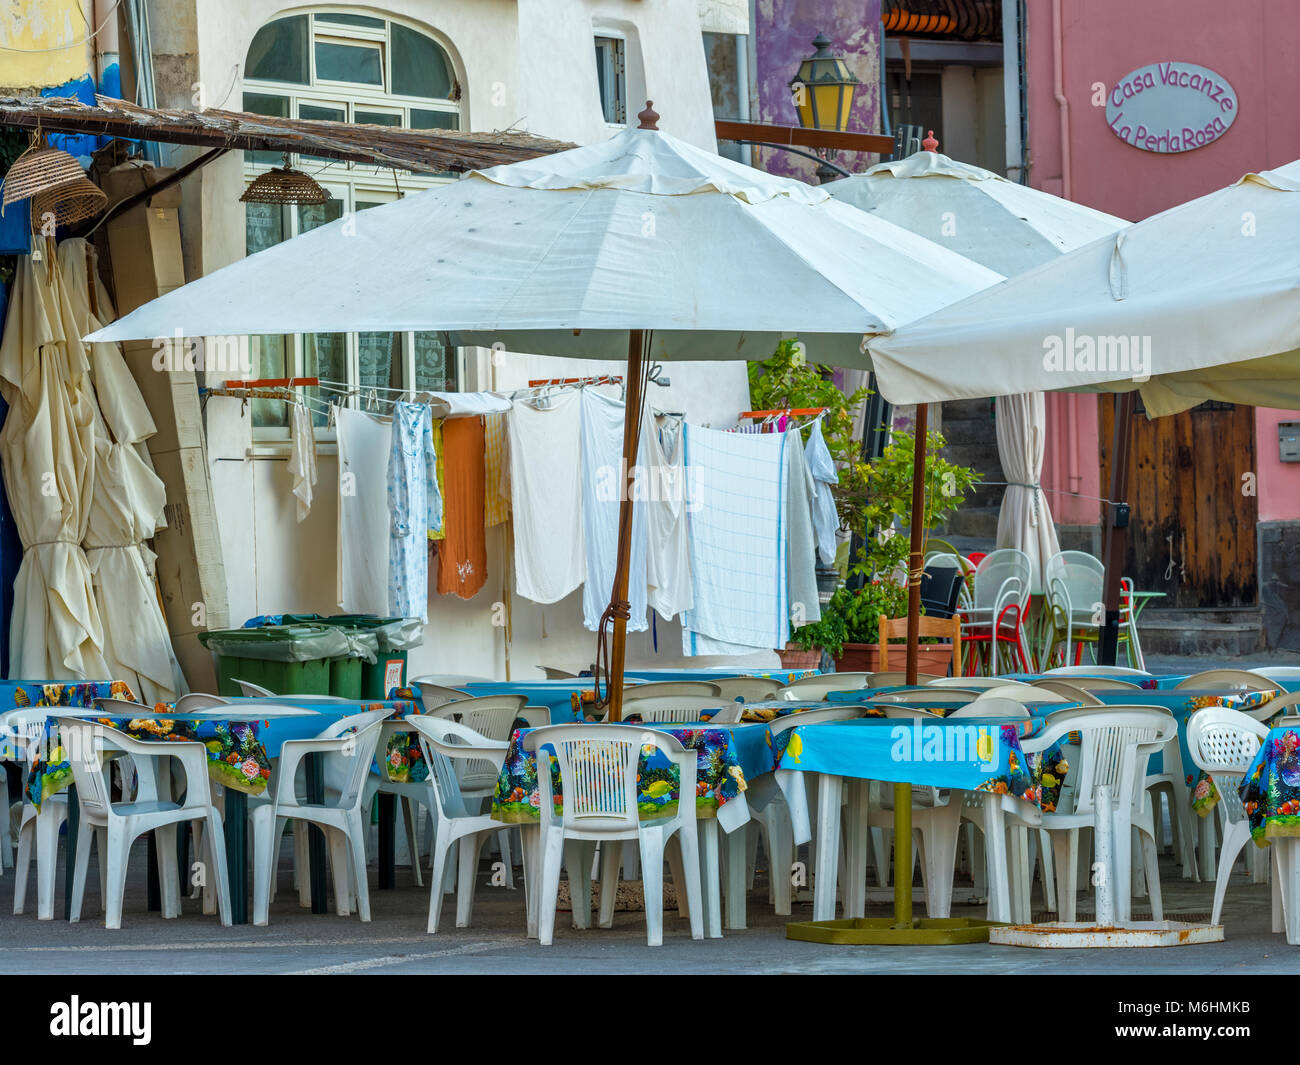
(1195, 303)
(1010, 228)
(641, 243)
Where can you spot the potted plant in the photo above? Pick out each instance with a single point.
(883, 563)
(804, 651)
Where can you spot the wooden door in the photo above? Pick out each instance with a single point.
(1193, 507)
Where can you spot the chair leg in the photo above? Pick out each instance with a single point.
(1279, 902)
(1150, 856)
(302, 862)
(23, 865)
(218, 867)
(1065, 852)
(437, 879)
(690, 845)
(340, 867)
(119, 850)
(1048, 871)
(84, 840)
(552, 848)
(168, 874)
(673, 855)
(1233, 840)
(577, 861)
(780, 862)
(356, 837)
(266, 835)
(503, 841)
(651, 841)
(710, 880)
(412, 839)
(49, 820)
(469, 850)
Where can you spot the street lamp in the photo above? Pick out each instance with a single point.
(822, 93)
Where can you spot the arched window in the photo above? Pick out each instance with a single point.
(346, 67)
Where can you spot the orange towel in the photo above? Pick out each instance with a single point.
(462, 556)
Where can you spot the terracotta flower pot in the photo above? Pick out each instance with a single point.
(865, 658)
(793, 657)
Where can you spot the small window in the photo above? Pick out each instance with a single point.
(422, 119)
(261, 103)
(366, 21)
(361, 64)
(375, 118)
(419, 66)
(611, 76)
(279, 52)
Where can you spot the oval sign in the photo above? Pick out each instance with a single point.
(1170, 107)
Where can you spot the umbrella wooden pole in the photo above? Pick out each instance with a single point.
(903, 791)
(1116, 536)
(618, 604)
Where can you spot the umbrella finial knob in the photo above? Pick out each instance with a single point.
(930, 144)
(649, 117)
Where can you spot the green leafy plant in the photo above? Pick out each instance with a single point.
(853, 615)
(787, 381)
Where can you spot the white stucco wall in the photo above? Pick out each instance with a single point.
(525, 64)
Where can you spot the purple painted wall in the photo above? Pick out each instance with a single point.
(783, 32)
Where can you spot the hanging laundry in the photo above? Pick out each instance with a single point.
(440, 533)
(801, 545)
(364, 444)
(826, 521)
(603, 487)
(496, 500)
(415, 509)
(546, 497)
(667, 502)
(462, 556)
(737, 537)
(302, 457)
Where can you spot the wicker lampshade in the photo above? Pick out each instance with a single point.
(71, 202)
(38, 170)
(283, 184)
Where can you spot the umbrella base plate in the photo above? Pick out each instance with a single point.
(1089, 934)
(883, 932)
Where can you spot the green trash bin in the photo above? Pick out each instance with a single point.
(298, 659)
(384, 668)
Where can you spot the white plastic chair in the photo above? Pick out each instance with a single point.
(1022, 692)
(967, 683)
(747, 689)
(433, 696)
(816, 686)
(926, 696)
(552, 673)
(151, 810)
(891, 678)
(670, 708)
(654, 689)
(348, 746)
(1072, 693)
(598, 776)
(1136, 676)
(1227, 680)
(254, 691)
(1116, 744)
(193, 702)
(1223, 743)
(992, 706)
(444, 743)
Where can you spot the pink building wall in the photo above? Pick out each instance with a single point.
(1078, 44)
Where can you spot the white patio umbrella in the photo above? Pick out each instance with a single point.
(48, 452)
(1010, 228)
(641, 243)
(1195, 303)
(127, 504)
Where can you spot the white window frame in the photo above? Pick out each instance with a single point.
(618, 53)
(352, 181)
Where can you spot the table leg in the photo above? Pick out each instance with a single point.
(828, 846)
(316, 839)
(737, 878)
(388, 840)
(995, 849)
(855, 849)
(235, 827)
(711, 892)
(45, 903)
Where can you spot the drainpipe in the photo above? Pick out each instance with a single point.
(1058, 90)
(1011, 88)
(108, 75)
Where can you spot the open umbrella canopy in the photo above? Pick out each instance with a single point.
(1010, 228)
(998, 223)
(551, 255)
(1195, 303)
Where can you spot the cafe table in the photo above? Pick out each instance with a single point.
(971, 754)
(729, 758)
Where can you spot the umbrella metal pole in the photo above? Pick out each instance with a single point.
(618, 597)
(1116, 535)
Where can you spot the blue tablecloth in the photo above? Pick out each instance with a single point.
(17, 694)
(974, 754)
(782, 676)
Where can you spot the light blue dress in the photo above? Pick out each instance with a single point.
(415, 508)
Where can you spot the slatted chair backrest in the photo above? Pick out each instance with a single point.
(1223, 743)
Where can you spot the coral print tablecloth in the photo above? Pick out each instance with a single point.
(236, 757)
(81, 694)
(724, 754)
(1270, 790)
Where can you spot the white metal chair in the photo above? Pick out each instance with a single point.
(999, 599)
(1223, 743)
(670, 687)
(151, 810)
(1075, 581)
(816, 686)
(660, 708)
(1228, 680)
(598, 776)
(1116, 744)
(348, 747)
(444, 743)
(747, 689)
